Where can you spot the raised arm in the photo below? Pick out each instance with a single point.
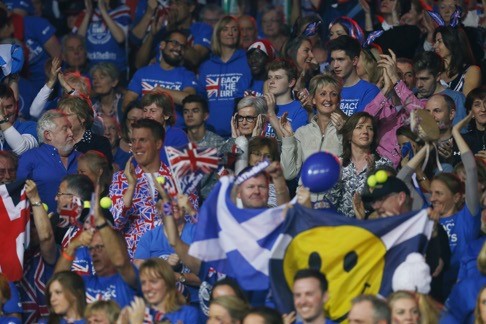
(467, 157)
(119, 33)
(42, 223)
(88, 13)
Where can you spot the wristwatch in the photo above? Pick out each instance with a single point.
(182, 278)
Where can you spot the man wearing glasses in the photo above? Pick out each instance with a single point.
(169, 74)
(55, 158)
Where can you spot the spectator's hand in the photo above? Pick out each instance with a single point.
(31, 191)
(304, 97)
(173, 260)
(54, 71)
(366, 6)
(338, 120)
(157, 23)
(389, 63)
(358, 206)
(304, 196)
(258, 126)
(285, 126)
(130, 172)
(136, 310)
(152, 5)
(63, 82)
(445, 149)
(271, 103)
(482, 155)
(82, 239)
(289, 318)
(234, 127)
(439, 268)
(433, 214)
(88, 4)
(102, 6)
(171, 19)
(274, 170)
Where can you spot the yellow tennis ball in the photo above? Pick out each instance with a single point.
(381, 176)
(46, 208)
(161, 180)
(105, 202)
(371, 181)
(86, 204)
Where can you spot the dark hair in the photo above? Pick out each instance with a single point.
(407, 132)
(269, 315)
(80, 184)
(4, 288)
(135, 104)
(381, 311)
(312, 273)
(197, 99)
(456, 41)
(405, 60)
(287, 65)
(6, 92)
(258, 142)
(292, 47)
(347, 132)
(475, 94)
(351, 27)
(168, 36)
(73, 287)
(429, 61)
(304, 21)
(227, 281)
(158, 131)
(9, 155)
(348, 44)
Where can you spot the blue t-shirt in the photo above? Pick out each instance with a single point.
(355, 98)
(469, 265)
(256, 88)
(461, 228)
(37, 31)
(154, 244)
(13, 305)
(149, 77)
(110, 288)
(462, 300)
(297, 116)
(101, 46)
(121, 158)
(221, 83)
(43, 165)
(27, 94)
(9, 320)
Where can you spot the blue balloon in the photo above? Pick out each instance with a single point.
(320, 172)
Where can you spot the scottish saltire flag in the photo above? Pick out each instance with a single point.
(357, 257)
(236, 242)
(14, 229)
(189, 163)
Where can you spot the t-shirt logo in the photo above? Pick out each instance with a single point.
(212, 87)
(98, 33)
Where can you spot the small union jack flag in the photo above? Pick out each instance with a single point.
(189, 161)
(212, 87)
(69, 214)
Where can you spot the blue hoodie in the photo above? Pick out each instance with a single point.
(222, 83)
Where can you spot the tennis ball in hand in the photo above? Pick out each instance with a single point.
(105, 202)
(46, 208)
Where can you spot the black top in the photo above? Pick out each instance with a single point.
(91, 141)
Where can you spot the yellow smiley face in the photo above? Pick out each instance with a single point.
(352, 258)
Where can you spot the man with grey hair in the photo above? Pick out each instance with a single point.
(53, 159)
(369, 309)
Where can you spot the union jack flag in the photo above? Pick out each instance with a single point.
(69, 214)
(189, 162)
(212, 87)
(153, 316)
(147, 87)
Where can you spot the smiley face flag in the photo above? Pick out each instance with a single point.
(357, 257)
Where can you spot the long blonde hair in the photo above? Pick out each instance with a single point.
(429, 310)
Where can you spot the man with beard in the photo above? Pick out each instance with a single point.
(175, 79)
(443, 110)
(55, 158)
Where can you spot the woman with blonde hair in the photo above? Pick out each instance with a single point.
(480, 310)
(161, 295)
(102, 311)
(227, 309)
(95, 166)
(409, 307)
